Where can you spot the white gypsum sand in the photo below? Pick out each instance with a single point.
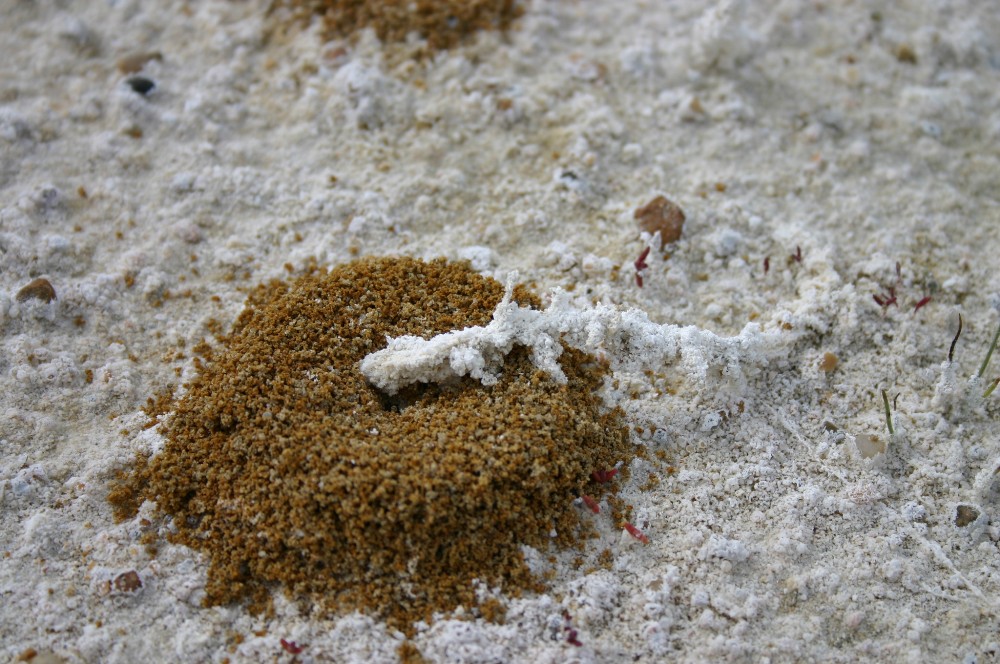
(824, 155)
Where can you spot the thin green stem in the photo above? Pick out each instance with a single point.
(993, 386)
(989, 354)
(888, 413)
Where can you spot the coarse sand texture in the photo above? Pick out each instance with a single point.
(288, 469)
(443, 23)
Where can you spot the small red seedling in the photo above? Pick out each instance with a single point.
(636, 533)
(291, 647)
(603, 476)
(797, 256)
(640, 265)
(886, 300)
(571, 634)
(923, 301)
(640, 262)
(767, 264)
(591, 504)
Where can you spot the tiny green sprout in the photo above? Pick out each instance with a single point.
(989, 353)
(888, 413)
(993, 386)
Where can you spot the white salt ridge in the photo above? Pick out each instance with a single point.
(627, 337)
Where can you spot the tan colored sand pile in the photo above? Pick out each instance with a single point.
(443, 23)
(289, 470)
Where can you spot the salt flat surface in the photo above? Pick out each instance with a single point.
(851, 148)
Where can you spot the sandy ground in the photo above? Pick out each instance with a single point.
(826, 154)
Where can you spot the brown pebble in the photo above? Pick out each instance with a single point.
(829, 362)
(134, 62)
(39, 289)
(965, 514)
(906, 54)
(128, 582)
(663, 215)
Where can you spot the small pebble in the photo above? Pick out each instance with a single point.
(905, 53)
(829, 362)
(965, 514)
(663, 215)
(134, 62)
(140, 84)
(39, 289)
(128, 582)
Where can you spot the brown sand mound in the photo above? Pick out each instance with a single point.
(443, 23)
(288, 469)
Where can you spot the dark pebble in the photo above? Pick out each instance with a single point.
(140, 84)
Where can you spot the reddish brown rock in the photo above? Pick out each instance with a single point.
(39, 289)
(128, 582)
(663, 215)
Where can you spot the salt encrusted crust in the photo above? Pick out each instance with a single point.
(627, 337)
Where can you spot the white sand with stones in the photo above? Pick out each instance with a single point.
(865, 134)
